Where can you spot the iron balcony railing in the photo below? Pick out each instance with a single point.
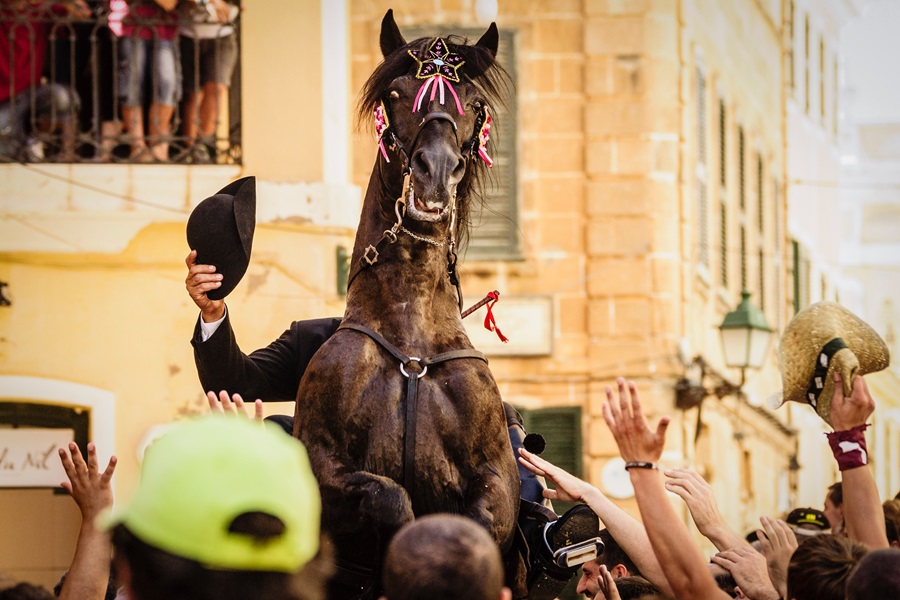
(120, 81)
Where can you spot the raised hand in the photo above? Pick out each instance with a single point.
(568, 487)
(629, 427)
(748, 567)
(852, 411)
(90, 488)
(701, 501)
(778, 543)
(201, 279)
(608, 589)
(233, 405)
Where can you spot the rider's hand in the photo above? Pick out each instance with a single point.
(201, 279)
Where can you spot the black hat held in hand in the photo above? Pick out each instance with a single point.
(221, 228)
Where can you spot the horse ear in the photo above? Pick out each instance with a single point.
(391, 39)
(490, 39)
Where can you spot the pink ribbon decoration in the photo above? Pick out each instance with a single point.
(439, 69)
(483, 137)
(381, 125)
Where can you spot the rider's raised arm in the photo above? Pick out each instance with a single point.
(272, 373)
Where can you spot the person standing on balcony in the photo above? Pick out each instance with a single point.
(209, 54)
(148, 65)
(27, 106)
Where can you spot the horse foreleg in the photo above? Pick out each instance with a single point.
(493, 501)
(360, 499)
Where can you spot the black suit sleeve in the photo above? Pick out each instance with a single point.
(272, 373)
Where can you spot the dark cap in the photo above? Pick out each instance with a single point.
(221, 228)
(808, 518)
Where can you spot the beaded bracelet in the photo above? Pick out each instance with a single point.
(639, 464)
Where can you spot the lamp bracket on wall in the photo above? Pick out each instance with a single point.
(706, 381)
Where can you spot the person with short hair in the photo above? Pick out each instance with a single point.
(443, 557)
(225, 510)
(614, 558)
(834, 507)
(876, 577)
(820, 567)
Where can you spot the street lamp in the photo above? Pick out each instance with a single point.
(745, 336)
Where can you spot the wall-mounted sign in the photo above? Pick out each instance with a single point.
(526, 320)
(29, 457)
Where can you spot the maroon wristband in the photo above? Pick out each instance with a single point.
(849, 447)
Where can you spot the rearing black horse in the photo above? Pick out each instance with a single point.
(391, 436)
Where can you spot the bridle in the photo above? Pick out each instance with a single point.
(389, 236)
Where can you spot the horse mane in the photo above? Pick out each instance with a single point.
(481, 70)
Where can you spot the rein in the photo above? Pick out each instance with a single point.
(413, 368)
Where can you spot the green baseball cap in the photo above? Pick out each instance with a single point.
(206, 471)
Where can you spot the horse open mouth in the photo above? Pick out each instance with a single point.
(418, 210)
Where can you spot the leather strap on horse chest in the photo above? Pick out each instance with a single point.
(417, 369)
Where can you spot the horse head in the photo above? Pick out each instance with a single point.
(432, 99)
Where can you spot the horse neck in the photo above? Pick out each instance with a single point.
(409, 285)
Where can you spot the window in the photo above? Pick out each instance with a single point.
(760, 195)
(723, 243)
(495, 232)
(701, 171)
(762, 279)
(723, 195)
(801, 271)
(743, 257)
(789, 26)
(742, 180)
(723, 155)
(761, 222)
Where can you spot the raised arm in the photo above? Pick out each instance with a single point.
(88, 576)
(863, 515)
(625, 529)
(681, 560)
(700, 500)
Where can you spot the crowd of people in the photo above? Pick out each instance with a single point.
(103, 80)
(209, 522)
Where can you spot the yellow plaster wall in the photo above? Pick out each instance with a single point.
(281, 46)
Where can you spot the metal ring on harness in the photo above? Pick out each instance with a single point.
(418, 360)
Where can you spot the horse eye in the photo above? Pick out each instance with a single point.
(478, 104)
(395, 95)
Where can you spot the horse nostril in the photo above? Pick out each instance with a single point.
(420, 163)
(460, 169)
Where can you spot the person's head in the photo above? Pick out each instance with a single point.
(632, 588)
(807, 522)
(26, 591)
(834, 507)
(724, 579)
(616, 560)
(876, 577)
(443, 557)
(820, 567)
(225, 509)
